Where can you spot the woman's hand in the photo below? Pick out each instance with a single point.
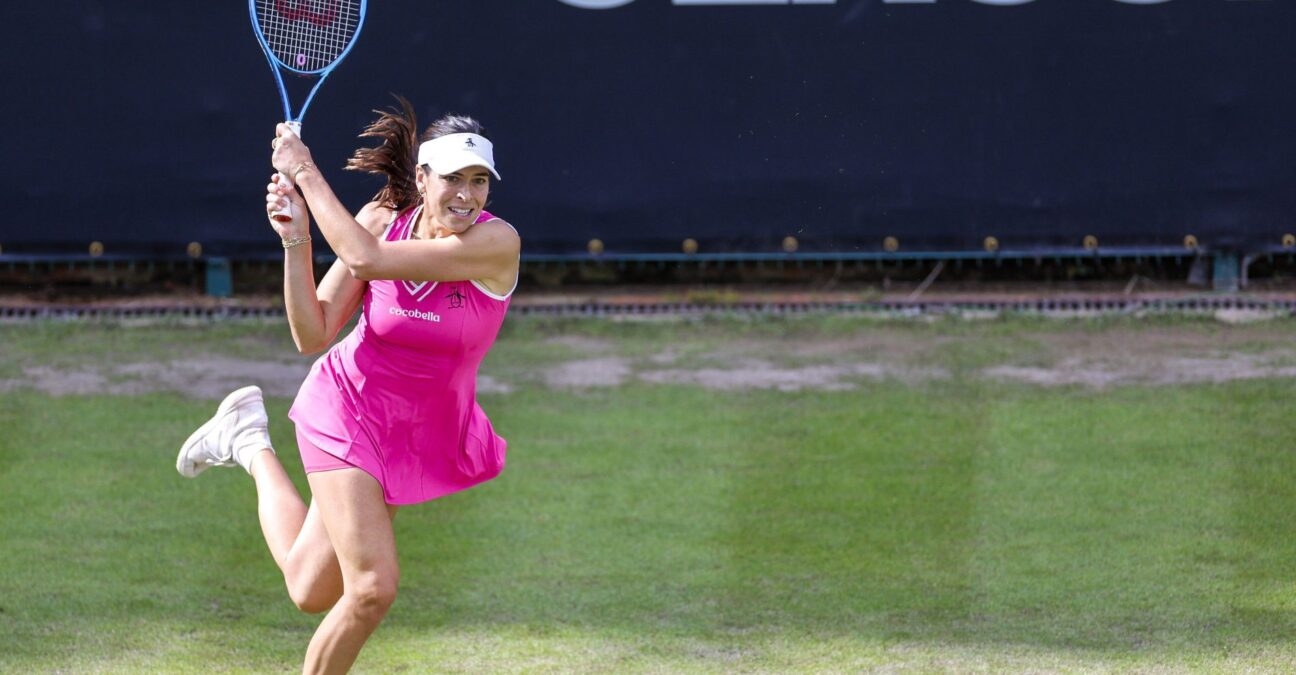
(289, 154)
(289, 151)
(277, 197)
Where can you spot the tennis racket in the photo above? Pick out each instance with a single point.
(307, 38)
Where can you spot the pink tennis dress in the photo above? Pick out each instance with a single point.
(397, 397)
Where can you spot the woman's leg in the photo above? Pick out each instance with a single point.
(237, 436)
(296, 537)
(358, 521)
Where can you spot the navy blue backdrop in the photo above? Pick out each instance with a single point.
(146, 125)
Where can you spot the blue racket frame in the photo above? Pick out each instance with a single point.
(287, 212)
(277, 66)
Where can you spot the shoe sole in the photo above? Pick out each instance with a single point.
(190, 469)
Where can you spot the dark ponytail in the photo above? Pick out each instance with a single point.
(393, 158)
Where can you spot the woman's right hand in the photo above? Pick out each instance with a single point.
(277, 197)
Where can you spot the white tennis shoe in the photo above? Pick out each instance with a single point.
(237, 433)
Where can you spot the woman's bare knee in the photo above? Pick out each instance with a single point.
(313, 585)
(311, 571)
(371, 596)
(313, 599)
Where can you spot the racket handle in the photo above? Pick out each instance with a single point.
(287, 213)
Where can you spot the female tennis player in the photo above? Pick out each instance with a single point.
(388, 416)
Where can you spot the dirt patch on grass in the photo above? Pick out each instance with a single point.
(204, 378)
(1157, 371)
(1091, 356)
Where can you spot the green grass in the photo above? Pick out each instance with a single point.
(959, 525)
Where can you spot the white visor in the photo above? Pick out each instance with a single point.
(451, 153)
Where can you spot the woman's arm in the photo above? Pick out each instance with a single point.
(486, 252)
(316, 314)
(350, 240)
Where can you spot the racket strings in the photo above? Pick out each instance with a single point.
(308, 35)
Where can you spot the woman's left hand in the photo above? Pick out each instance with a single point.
(289, 151)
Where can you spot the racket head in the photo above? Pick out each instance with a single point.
(307, 37)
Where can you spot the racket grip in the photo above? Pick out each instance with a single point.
(287, 213)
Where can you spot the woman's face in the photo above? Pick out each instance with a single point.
(454, 201)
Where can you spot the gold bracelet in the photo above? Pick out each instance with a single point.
(300, 168)
(296, 241)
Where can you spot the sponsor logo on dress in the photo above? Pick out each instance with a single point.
(415, 314)
(456, 298)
